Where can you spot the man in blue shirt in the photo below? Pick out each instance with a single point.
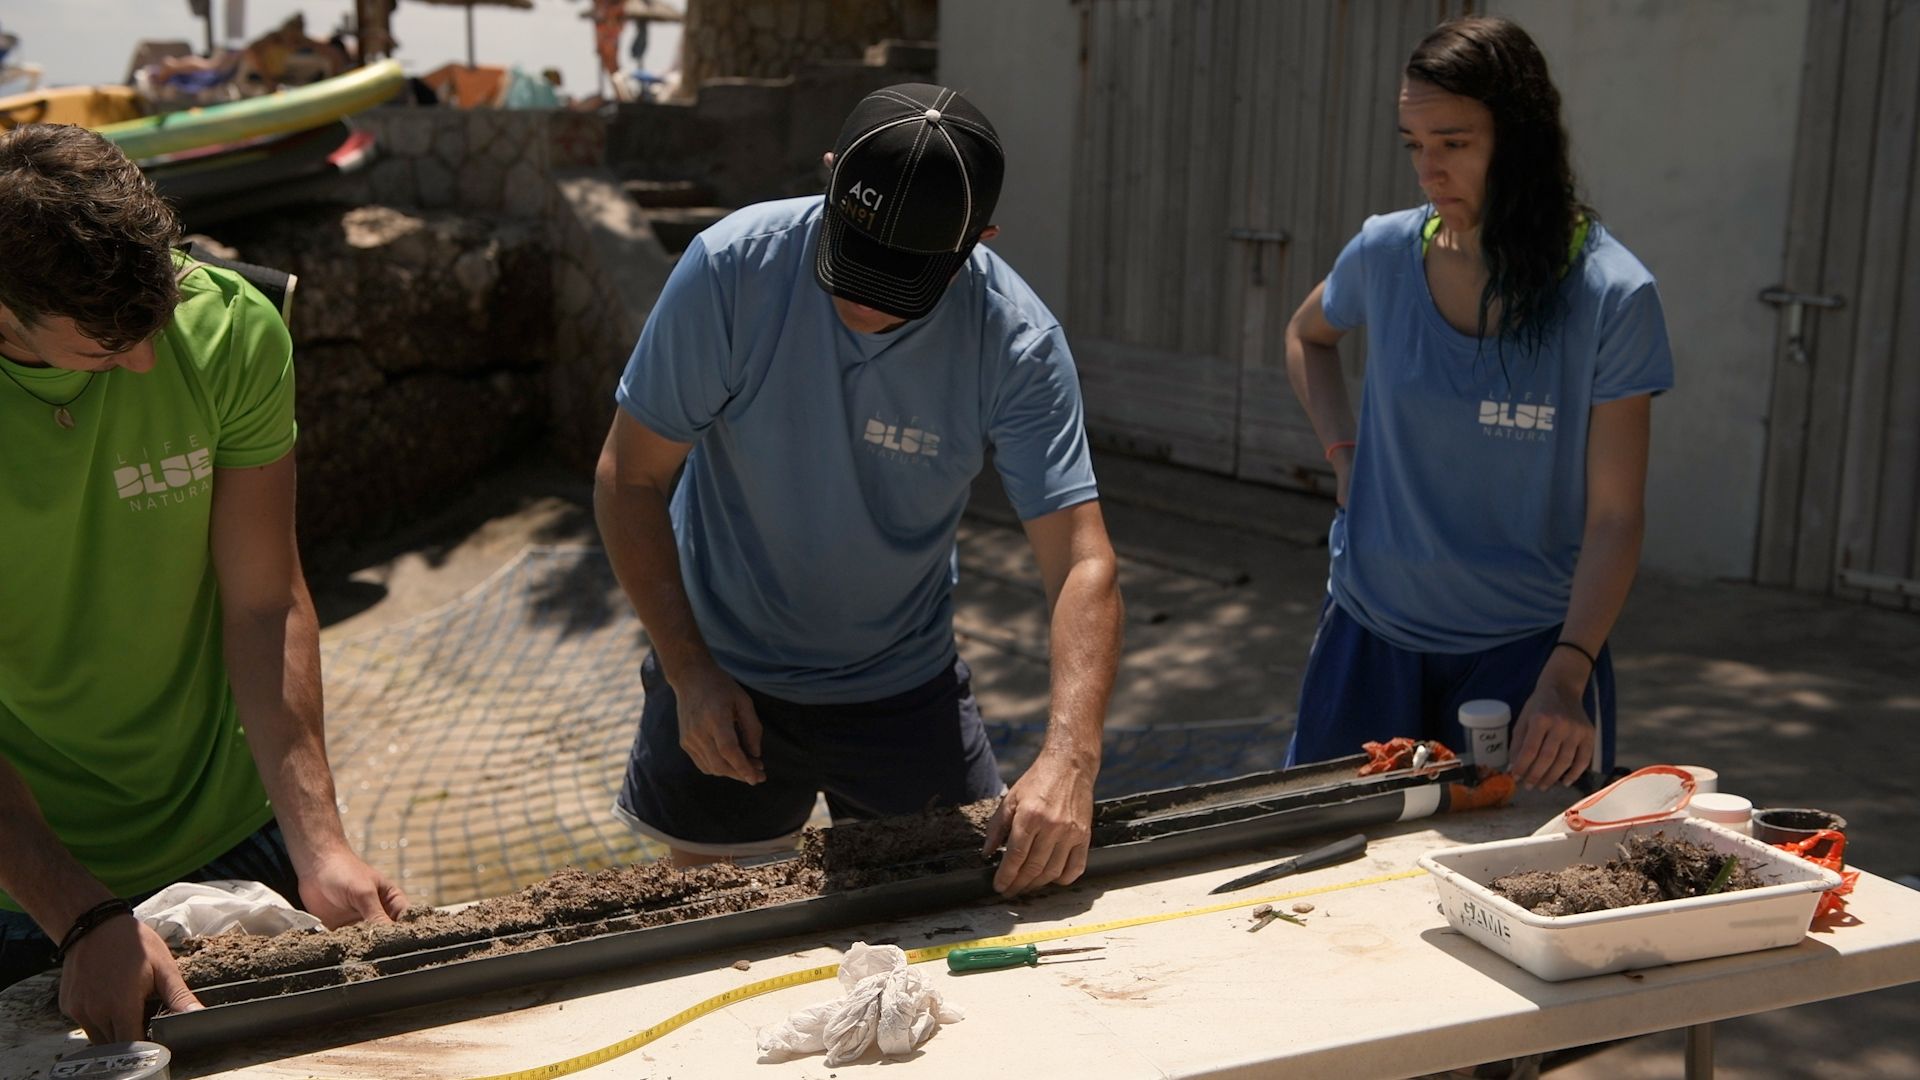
(833, 372)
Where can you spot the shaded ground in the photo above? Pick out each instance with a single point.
(1796, 700)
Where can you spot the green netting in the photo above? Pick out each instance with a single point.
(479, 747)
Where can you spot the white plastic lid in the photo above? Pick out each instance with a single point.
(1484, 713)
(1722, 807)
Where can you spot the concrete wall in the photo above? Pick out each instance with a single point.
(1683, 117)
(1019, 61)
(1683, 121)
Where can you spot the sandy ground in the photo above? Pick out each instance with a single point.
(1796, 700)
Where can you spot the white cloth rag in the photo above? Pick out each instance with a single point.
(886, 1001)
(189, 910)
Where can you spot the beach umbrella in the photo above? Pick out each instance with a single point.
(523, 5)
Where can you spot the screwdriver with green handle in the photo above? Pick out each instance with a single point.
(995, 957)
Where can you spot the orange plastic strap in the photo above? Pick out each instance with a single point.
(1833, 857)
(1397, 753)
(1495, 790)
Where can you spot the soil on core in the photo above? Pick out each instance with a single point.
(573, 904)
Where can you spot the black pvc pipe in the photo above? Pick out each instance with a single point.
(1162, 835)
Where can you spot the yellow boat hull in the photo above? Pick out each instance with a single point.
(88, 106)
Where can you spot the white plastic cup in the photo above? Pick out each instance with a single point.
(1486, 722)
(1705, 781)
(1733, 811)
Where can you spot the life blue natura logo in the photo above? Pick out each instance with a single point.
(1523, 421)
(177, 473)
(906, 442)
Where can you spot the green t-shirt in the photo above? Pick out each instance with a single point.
(114, 700)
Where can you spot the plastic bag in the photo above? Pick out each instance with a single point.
(886, 1003)
(188, 910)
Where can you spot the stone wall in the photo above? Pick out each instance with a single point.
(423, 343)
(772, 39)
(609, 268)
(476, 289)
(482, 283)
(488, 161)
(544, 167)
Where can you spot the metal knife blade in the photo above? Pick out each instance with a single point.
(1338, 851)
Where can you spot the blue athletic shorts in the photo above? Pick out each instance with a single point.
(899, 755)
(25, 950)
(1358, 689)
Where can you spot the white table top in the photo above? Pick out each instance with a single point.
(1375, 985)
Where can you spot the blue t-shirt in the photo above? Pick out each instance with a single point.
(1468, 498)
(817, 513)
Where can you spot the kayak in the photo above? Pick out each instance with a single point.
(285, 170)
(88, 106)
(191, 183)
(297, 109)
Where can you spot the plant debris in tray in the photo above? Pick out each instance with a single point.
(1648, 869)
(574, 904)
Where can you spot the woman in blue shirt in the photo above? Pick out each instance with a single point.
(1491, 492)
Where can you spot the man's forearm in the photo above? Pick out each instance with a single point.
(1086, 633)
(638, 533)
(273, 663)
(36, 869)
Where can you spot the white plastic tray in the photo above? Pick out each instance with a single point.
(1561, 947)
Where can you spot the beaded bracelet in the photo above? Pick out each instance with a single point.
(88, 922)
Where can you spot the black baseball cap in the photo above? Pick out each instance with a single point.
(916, 173)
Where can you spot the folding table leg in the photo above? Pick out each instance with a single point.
(1700, 1052)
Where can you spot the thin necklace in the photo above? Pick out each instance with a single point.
(60, 414)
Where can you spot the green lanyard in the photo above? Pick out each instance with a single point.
(1432, 228)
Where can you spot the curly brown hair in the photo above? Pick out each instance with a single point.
(85, 235)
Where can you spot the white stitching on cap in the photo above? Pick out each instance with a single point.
(906, 181)
(966, 187)
(853, 274)
(894, 95)
(833, 181)
(938, 100)
(973, 127)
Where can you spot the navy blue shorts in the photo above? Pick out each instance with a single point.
(1358, 688)
(25, 950)
(899, 755)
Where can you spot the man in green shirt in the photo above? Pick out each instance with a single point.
(160, 708)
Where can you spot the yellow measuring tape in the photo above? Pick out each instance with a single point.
(820, 974)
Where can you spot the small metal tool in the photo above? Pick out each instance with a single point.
(995, 957)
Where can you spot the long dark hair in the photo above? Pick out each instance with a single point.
(1531, 205)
